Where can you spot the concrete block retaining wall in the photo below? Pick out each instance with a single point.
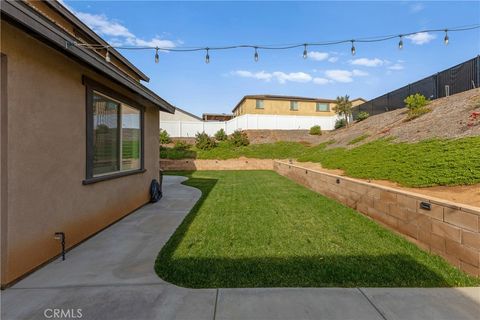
(448, 229)
(230, 164)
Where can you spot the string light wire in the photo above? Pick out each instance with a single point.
(279, 46)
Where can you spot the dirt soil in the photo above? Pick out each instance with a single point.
(448, 119)
(469, 195)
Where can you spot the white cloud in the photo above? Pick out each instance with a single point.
(103, 25)
(120, 35)
(339, 75)
(417, 7)
(396, 66)
(317, 55)
(375, 62)
(321, 81)
(283, 77)
(344, 76)
(262, 75)
(331, 76)
(333, 59)
(421, 38)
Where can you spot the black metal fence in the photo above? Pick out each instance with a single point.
(459, 78)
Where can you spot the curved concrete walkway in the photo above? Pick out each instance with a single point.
(111, 276)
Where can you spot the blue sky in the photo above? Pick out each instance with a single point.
(185, 80)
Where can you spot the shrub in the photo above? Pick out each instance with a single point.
(340, 123)
(204, 142)
(182, 145)
(415, 101)
(416, 105)
(362, 115)
(164, 137)
(316, 130)
(220, 135)
(239, 138)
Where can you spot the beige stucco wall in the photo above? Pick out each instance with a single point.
(281, 107)
(179, 115)
(47, 161)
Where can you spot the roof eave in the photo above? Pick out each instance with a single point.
(21, 14)
(77, 22)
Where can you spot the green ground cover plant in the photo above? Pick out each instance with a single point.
(358, 139)
(259, 229)
(423, 164)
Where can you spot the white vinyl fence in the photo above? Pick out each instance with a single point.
(186, 129)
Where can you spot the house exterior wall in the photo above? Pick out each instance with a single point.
(179, 115)
(282, 107)
(45, 151)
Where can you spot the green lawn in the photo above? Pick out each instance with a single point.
(259, 229)
(422, 164)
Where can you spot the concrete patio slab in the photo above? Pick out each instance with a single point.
(129, 302)
(426, 303)
(293, 303)
(111, 276)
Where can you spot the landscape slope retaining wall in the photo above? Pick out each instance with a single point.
(204, 164)
(448, 229)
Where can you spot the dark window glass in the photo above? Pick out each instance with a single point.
(321, 107)
(130, 138)
(105, 135)
(294, 105)
(117, 136)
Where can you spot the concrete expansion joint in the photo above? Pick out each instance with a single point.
(380, 312)
(215, 307)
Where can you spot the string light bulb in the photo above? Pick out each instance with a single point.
(207, 57)
(305, 53)
(446, 39)
(107, 56)
(353, 50)
(255, 56)
(156, 55)
(400, 43)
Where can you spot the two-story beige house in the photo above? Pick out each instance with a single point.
(287, 105)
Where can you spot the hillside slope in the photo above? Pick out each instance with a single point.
(448, 119)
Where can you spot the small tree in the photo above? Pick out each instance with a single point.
(239, 139)
(220, 135)
(343, 107)
(164, 137)
(416, 105)
(204, 142)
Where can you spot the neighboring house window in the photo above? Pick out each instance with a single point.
(321, 107)
(294, 105)
(114, 135)
(259, 104)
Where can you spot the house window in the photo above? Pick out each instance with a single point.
(294, 105)
(259, 104)
(114, 136)
(322, 107)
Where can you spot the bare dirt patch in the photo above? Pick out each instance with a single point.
(448, 120)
